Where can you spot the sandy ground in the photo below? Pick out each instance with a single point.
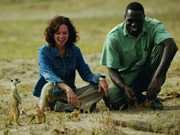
(135, 121)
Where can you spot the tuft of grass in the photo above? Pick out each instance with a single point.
(6, 131)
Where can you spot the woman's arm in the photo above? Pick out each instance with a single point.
(71, 96)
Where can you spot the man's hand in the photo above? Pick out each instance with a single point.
(118, 81)
(72, 98)
(129, 93)
(103, 85)
(153, 89)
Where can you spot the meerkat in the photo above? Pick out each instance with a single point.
(37, 114)
(15, 101)
(75, 114)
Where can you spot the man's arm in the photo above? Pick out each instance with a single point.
(169, 52)
(117, 80)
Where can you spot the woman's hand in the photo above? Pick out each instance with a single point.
(72, 98)
(103, 85)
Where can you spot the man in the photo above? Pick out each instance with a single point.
(138, 53)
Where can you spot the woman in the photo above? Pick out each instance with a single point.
(58, 60)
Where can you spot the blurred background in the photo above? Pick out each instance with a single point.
(22, 22)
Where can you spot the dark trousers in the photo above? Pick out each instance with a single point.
(138, 80)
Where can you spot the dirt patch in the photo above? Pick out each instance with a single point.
(135, 121)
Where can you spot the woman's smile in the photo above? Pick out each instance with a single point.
(61, 35)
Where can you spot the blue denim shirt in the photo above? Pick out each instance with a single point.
(55, 69)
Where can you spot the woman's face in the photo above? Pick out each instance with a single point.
(61, 36)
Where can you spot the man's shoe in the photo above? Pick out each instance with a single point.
(62, 107)
(157, 105)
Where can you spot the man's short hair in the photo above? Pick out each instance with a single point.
(135, 6)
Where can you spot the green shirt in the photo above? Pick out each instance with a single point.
(125, 52)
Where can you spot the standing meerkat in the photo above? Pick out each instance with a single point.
(15, 100)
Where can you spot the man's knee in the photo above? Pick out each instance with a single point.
(116, 98)
(156, 56)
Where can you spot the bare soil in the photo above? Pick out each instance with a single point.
(135, 121)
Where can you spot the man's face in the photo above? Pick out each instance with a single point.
(134, 21)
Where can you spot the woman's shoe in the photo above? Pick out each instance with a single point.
(62, 107)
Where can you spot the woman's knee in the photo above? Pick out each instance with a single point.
(46, 93)
(47, 90)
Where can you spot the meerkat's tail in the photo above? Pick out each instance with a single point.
(32, 118)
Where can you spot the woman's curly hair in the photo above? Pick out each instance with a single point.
(53, 26)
